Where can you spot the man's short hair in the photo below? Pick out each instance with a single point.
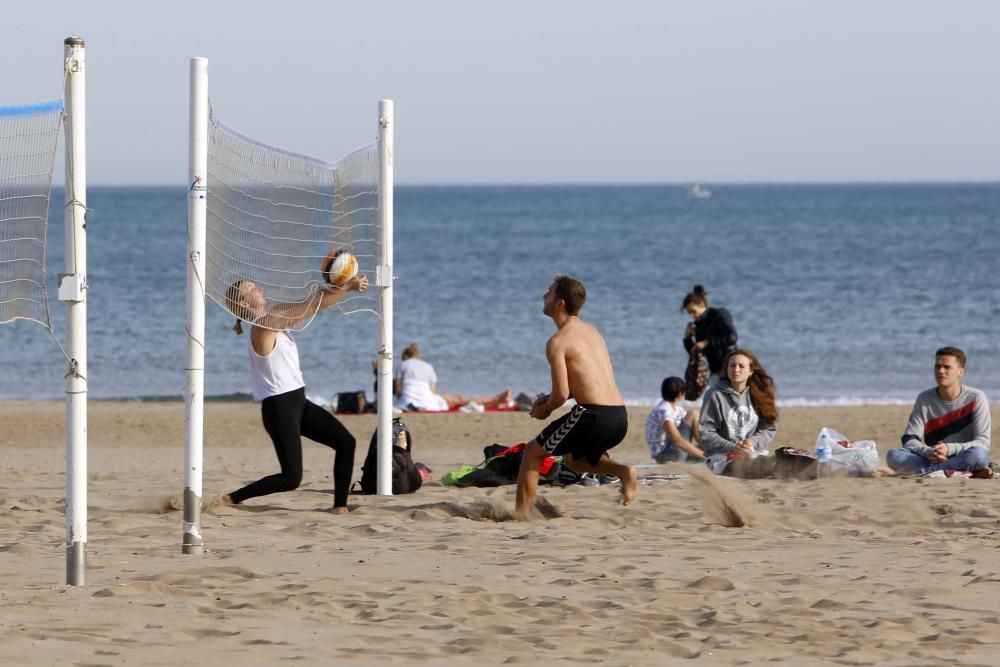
(572, 293)
(952, 352)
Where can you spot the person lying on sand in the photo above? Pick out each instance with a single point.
(415, 388)
(581, 369)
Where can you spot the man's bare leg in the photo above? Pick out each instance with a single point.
(608, 466)
(527, 478)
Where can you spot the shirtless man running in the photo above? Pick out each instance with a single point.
(581, 369)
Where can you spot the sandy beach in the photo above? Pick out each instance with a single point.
(835, 571)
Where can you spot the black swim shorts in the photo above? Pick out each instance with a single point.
(586, 432)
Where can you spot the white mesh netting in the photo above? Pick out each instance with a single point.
(29, 135)
(273, 217)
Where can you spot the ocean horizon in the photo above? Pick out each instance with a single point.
(843, 291)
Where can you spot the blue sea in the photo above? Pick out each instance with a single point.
(842, 291)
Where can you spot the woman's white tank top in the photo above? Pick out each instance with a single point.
(278, 372)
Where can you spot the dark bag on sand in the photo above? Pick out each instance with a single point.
(794, 463)
(351, 402)
(406, 476)
(501, 466)
(696, 376)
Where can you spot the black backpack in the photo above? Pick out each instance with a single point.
(405, 476)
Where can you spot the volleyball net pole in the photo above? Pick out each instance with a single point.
(73, 290)
(194, 394)
(269, 218)
(383, 280)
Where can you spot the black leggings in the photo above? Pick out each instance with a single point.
(287, 417)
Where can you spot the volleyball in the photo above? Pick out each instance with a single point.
(339, 267)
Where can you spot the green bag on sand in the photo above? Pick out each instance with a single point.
(451, 478)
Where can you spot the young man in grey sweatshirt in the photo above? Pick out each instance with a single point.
(949, 428)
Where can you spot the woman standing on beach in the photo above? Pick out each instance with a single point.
(276, 382)
(738, 417)
(710, 332)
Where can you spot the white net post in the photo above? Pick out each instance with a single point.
(194, 395)
(383, 280)
(73, 290)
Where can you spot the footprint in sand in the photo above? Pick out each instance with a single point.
(713, 583)
(483, 509)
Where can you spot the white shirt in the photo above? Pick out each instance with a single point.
(656, 437)
(278, 372)
(416, 377)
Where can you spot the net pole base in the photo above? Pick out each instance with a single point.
(192, 543)
(76, 564)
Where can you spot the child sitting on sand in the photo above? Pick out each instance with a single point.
(672, 431)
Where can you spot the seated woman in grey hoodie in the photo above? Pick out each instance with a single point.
(738, 418)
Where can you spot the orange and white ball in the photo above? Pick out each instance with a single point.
(339, 267)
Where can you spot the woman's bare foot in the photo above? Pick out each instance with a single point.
(500, 400)
(983, 473)
(224, 499)
(343, 509)
(630, 485)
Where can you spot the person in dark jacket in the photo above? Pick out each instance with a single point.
(711, 332)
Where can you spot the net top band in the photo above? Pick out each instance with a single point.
(41, 108)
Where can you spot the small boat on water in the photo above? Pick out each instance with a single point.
(698, 192)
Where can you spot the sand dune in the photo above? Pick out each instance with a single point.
(835, 571)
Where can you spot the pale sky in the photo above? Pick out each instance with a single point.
(519, 91)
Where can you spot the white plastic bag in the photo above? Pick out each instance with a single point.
(856, 459)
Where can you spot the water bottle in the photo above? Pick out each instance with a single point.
(824, 453)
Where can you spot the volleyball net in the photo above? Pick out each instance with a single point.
(273, 218)
(29, 135)
(261, 214)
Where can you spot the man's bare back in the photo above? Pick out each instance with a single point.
(588, 365)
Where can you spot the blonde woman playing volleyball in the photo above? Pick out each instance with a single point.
(276, 383)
